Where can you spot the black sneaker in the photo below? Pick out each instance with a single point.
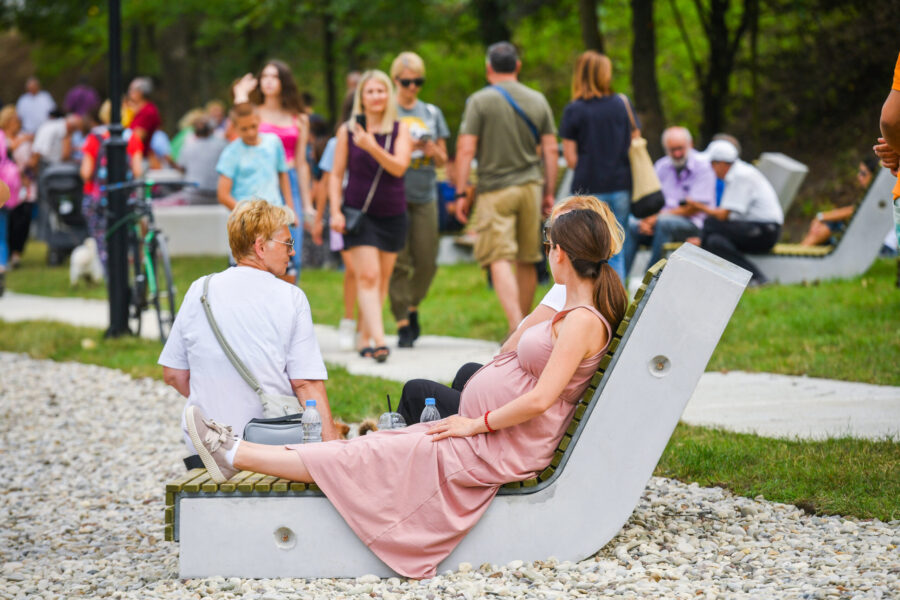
(405, 337)
(414, 324)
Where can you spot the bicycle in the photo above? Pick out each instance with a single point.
(150, 281)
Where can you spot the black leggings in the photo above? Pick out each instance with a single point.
(732, 239)
(446, 399)
(19, 225)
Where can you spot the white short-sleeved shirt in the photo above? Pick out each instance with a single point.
(269, 325)
(34, 109)
(48, 142)
(555, 297)
(749, 195)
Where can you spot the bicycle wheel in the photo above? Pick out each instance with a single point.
(137, 286)
(164, 288)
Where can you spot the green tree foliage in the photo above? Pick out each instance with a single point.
(812, 88)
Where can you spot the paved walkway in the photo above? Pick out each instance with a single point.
(771, 405)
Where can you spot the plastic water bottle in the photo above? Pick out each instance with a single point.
(312, 423)
(430, 413)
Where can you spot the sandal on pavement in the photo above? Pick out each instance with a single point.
(367, 352)
(381, 353)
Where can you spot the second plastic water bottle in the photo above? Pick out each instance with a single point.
(430, 413)
(312, 423)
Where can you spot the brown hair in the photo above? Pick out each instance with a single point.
(244, 109)
(291, 99)
(591, 238)
(251, 220)
(592, 77)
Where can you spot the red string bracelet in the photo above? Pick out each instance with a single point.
(486, 422)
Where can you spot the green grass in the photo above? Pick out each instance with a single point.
(838, 329)
(838, 476)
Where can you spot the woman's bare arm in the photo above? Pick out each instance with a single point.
(394, 163)
(336, 180)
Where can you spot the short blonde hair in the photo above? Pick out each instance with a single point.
(407, 60)
(390, 110)
(616, 232)
(254, 219)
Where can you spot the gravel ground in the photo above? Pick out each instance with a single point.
(86, 451)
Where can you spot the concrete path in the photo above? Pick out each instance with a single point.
(767, 404)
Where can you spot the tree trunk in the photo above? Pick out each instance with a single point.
(492, 21)
(590, 25)
(723, 47)
(643, 75)
(179, 91)
(328, 56)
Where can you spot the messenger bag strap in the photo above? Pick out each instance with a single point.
(387, 146)
(226, 347)
(624, 99)
(531, 126)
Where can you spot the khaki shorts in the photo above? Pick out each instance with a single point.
(508, 223)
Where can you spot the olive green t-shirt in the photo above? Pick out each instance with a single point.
(507, 152)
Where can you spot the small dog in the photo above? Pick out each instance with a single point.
(85, 263)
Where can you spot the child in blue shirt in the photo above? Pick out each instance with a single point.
(254, 165)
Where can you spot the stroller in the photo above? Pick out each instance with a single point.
(60, 220)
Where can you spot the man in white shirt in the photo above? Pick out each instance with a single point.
(53, 142)
(749, 218)
(266, 321)
(34, 106)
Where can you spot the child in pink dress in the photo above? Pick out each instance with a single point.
(411, 495)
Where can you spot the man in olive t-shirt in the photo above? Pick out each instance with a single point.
(511, 190)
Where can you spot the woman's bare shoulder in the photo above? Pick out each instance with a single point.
(584, 323)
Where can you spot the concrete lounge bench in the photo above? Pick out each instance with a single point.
(260, 526)
(784, 173)
(851, 256)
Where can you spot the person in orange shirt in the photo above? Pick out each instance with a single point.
(888, 147)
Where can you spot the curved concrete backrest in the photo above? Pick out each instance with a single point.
(856, 249)
(639, 402)
(784, 173)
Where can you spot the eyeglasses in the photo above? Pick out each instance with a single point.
(289, 243)
(419, 81)
(546, 239)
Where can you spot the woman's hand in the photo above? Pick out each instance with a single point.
(315, 230)
(337, 221)
(454, 426)
(888, 157)
(243, 87)
(363, 139)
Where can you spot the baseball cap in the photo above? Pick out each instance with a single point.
(722, 151)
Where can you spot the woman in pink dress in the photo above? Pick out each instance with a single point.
(512, 415)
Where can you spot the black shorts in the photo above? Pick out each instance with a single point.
(388, 234)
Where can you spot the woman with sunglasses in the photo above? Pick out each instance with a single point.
(282, 112)
(413, 494)
(374, 148)
(417, 262)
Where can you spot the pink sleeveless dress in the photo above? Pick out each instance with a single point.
(411, 500)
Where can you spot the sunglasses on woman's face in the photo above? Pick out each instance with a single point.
(419, 81)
